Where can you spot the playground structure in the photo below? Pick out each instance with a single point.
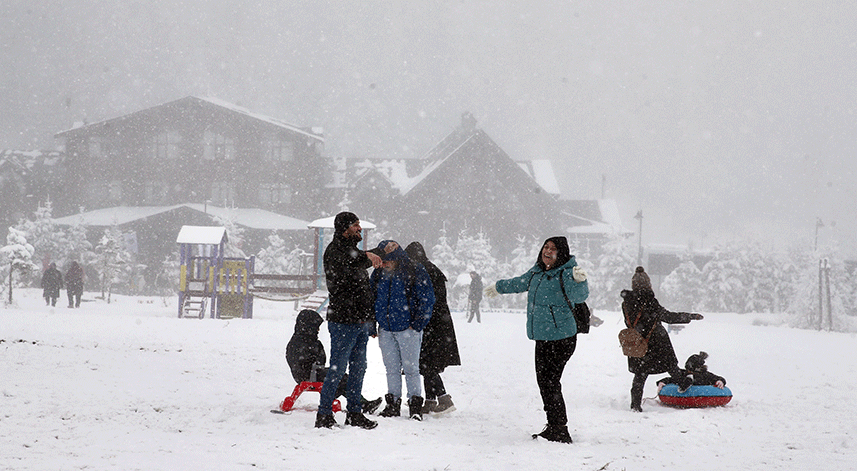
(224, 287)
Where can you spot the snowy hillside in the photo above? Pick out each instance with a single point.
(130, 386)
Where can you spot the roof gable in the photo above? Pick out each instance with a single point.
(188, 103)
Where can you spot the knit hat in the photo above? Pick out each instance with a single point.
(640, 280)
(397, 254)
(343, 221)
(696, 362)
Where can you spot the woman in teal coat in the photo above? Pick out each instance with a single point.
(550, 322)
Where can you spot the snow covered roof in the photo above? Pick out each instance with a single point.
(253, 218)
(598, 217)
(541, 170)
(201, 235)
(327, 223)
(211, 101)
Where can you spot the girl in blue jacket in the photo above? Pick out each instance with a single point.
(404, 298)
(550, 322)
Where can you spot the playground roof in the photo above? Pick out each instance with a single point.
(253, 218)
(327, 223)
(201, 235)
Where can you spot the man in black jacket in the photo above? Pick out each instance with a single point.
(350, 319)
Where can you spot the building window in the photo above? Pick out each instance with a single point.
(279, 150)
(165, 146)
(99, 147)
(114, 190)
(217, 146)
(155, 192)
(276, 193)
(222, 193)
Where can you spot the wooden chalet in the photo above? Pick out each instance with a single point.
(194, 150)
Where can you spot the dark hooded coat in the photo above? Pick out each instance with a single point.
(439, 347)
(304, 348)
(660, 356)
(52, 282)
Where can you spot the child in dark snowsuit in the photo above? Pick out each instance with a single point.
(696, 368)
(306, 357)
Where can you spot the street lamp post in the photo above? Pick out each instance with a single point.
(639, 217)
(818, 224)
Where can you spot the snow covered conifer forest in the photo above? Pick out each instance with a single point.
(740, 276)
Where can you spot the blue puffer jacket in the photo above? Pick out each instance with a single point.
(549, 316)
(403, 298)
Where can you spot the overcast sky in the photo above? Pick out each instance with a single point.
(719, 119)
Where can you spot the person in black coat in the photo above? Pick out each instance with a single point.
(475, 296)
(696, 368)
(439, 347)
(74, 284)
(306, 357)
(350, 319)
(51, 284)
(643, 313)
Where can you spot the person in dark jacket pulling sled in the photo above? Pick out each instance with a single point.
(350, 319)
(551, 323)
(404, 299)
(306, 357)
(643, 313)
(51, 284)
(439, 347)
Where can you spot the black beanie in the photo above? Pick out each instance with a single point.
(343, 221)
(640, 280)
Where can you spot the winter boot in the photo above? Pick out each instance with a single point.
(554, 433)
(444, 404)
(356, 419)
(393, 408)
(369, 407)
(324, 421)
(415, 407)
(429, 406)
(684, 383)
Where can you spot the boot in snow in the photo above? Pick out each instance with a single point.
(429, 405)
(325, 421)
(393, 408)
(444, 404)
(554, 433)
(415, 407)
(369, 407)
(356, 419)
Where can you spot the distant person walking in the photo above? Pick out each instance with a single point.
(439, 348)
(475, 296)
(74, 284)
(51, 285)
(644, 314)
(350, 319)
(551, 323)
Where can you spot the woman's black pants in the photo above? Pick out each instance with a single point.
(551, 357)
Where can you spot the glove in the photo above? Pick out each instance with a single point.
(719, 384)
(579, 274)
(491, 291)
(696, 317)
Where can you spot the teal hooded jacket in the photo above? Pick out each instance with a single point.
(549, 317)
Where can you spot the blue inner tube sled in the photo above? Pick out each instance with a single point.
(694, 397)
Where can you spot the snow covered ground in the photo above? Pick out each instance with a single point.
(130, 386)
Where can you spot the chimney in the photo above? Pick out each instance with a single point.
(468, 122)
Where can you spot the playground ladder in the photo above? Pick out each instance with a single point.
(194, 306)
(317, 301)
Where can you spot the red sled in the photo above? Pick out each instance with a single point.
(289, 402)
(694, 397)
